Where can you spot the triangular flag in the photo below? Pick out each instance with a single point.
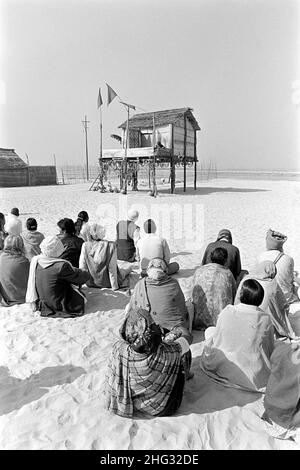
(111, 94)
(99, 102)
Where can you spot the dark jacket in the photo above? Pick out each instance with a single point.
(72, 245)
(14, 271)
(233, 261)
(125, 242)
(55, 293)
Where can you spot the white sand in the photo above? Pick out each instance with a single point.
(52, 370)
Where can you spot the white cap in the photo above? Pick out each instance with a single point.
(133, 214)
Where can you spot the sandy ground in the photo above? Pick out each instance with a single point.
(52, 370)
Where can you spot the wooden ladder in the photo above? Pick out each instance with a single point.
(96, 181)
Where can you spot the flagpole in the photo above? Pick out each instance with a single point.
(154, 159)
(126, 149)
(101, 153)
(85, 124)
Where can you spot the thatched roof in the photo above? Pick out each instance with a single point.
(161, 118)
(9, 160)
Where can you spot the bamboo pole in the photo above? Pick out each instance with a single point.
(101, 152)
(184, 155)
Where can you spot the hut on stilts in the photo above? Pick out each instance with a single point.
(149, 140)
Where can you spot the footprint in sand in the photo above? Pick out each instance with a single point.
(91, 349)
(68, 444)
(96, 445)
(63, 418)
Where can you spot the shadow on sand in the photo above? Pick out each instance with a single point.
(104, 300)
(15, 393)
(202, 191)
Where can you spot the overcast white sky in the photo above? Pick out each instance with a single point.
(233, 61)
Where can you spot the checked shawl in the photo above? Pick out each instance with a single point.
(141, 382)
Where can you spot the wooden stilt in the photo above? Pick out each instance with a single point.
(135, 176)
(195, 160)
(184, 156)
(172, 174)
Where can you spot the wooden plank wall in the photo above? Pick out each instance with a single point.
(33, 176)
(179, 138)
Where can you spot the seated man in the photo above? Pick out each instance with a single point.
(284, 264)
(13, 225)
(153, 246)
(224, 240)
(128, 233)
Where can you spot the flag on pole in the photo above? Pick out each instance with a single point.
(111, 94)
(99, 102)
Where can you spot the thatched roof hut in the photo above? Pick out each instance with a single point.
(9, 160)
(15, 172)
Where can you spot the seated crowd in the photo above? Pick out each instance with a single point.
(250, 338)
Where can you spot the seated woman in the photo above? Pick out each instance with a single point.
(72, 243)
(82, 226)
(282, 399)
(238, 350)
(213, 287)
(274, 302)
(284, 264)
(14, 271)
(52, 282)
(99, 258)
(162, 297)
(145, 374)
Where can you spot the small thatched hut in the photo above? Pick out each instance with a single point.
(15, 172)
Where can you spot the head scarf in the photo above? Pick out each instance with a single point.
(275, 240)
(157, 270)
(52, 247)
(224, 233)
(14, 245)
(97, 232)
(98, 249)
(264, 270)
(140, 331)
